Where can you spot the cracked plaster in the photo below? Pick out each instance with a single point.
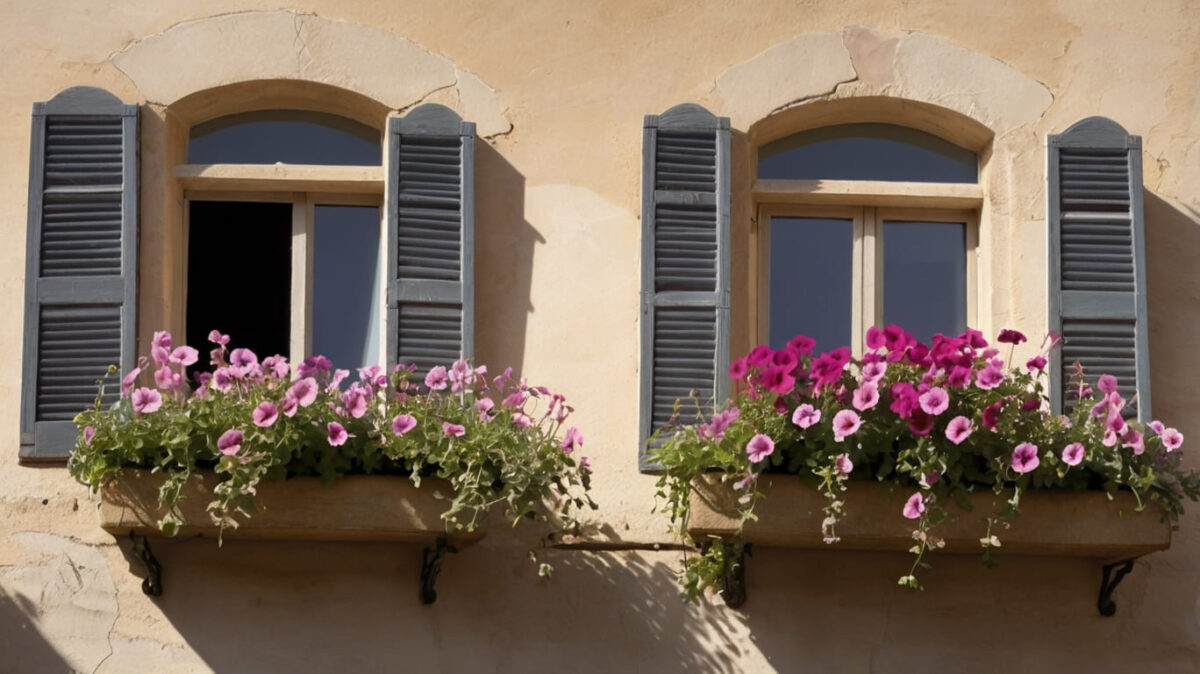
(289, 45)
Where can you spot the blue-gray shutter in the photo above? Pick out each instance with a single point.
(1097, 259)
(80, 262)
(431, 237)
(685, 265)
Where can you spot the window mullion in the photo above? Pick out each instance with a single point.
(302, 271)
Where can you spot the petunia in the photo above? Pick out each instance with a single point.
(276, 366)
(934, 401)
(265, 414)
(777, 380)
(866, 396)
(760, 447)
(1107, 383)
(230, 442)
(484, 406)
(875, 338)
(1156, 426)
(959, 429)
(1171, 439)
(1010, 337)
(243, 358)
(921, 423)
(166, 378)
(522, 420)
(290, 405)
(455, 430)
(914, 506)
(403, 423)
(339, 376)
(572, 441)
(759, 356)
(127, 382)
(460, 375)
(337, 434)
(1072, 454)
(959, 377)
(845, 423)
(715, 429)
(185, 356)
(88, 433)
(1025, 458)
(806, 415)
(904, 399)
(1036, 363)
(585, 463)
(738, 369)
(222, 379)
(843, 464)
(304, 391)
(989, 377)
(437, 378)
(874, 371)
(146, 400)
(355, 400)
(785, 359)
(802, 344)
(216, 337)
(745, 481)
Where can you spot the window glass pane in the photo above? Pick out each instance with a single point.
(867, 152)
(811, 280)
(239, 275)
(288, 136)
(925, 277)
(346, 282)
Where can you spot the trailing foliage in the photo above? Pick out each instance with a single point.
(942, 419)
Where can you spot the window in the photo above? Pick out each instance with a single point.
(846, 237)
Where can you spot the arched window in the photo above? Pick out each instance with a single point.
(864, 224)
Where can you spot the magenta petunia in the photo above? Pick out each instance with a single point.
(455, 430)
(760, 447)
(866, 396)
(777, 380)
(265, 414)
(403, 423)
(845, 423)
(934, 401)
(802, 344)
(921, 423)
(337, 434)
(989, 377)
(914, 506)
(875, 339)
(1025, 457)
(1010, 337)
(785, 359)
(437, 379)
(1037, 363)
(959, 429)
(146, 400)
(738, 369)
(572, 441)
(806, 415)
(230, 442)
(759, 356)
(904, 399)
(843, 464)
(1072, 454)
(1171, 439)
(304, 391)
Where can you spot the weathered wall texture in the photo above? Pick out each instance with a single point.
(559, 91)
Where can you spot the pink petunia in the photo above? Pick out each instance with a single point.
(337, 434)
(806, 415)
(403, 423)
(1171, 439)
(715, 429)
(1025, 458)
(243, 358)
(522, 420)
(276, 366)
(1072, 454)
(1156, 426)
(484, 406)
(127, 382)
(339, 376)
(760, 447)
(455, 430)
(874, 371)
(290, 405)
(989, 377)
(304, 391)
(216, 337)
(265, 414)
(843, 464)
(167, 379)
(185, 356)
(161, 340)
(460, 375)
(1133, 439)
(934, 401)
(146, 400)
(745, 481)
(88, 433)
(572, 441)
(914, 506)
(355, 400)
(866, 396)
(230, 442)
(437, 378)
(1107, 383)
(845, 423)
(222, 379)
(959, 429)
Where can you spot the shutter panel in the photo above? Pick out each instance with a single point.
(431, 237)
(80, 263)
(685, 265)
(1097, 260)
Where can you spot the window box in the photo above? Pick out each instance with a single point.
(1052, 522)
(354, 508)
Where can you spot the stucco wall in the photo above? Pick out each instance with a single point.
(559, 91)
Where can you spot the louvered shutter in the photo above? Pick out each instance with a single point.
(80, 263)
(685, 265)
(431, 237)
(1097, 259)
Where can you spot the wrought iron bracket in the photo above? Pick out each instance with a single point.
(431, 566)
(152, 583)
(1105, 603)
(733, 573)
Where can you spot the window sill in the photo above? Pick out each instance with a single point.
(354, 508)
(1053, 523)
(281, 177)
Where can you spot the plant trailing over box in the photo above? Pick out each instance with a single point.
(251, 421)
(939, 420)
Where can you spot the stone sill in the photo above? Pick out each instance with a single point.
(354, 508)
(1055, 523)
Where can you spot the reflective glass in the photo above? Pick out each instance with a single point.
(925, 277)
(867, 152)
(346, 279)
(811, 280)
(288, 136)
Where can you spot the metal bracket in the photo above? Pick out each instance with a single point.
(733, 574)
(1104, 603)
(431, 566)
(152, 584)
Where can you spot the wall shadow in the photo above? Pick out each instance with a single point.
(22, 647)
(504, 250)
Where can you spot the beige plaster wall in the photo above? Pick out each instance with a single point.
(559, 91)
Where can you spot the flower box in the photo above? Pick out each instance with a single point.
(1052, 522)
(354, 508)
